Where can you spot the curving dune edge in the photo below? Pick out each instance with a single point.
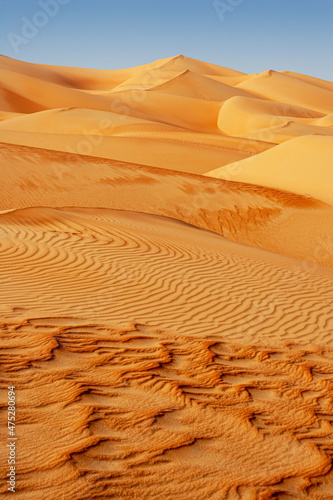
(167, 285)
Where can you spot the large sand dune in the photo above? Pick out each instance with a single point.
(251, 214)
(302, 165)
(169, 333)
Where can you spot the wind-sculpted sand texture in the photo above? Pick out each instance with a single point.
(169, 333)
(142, 413)
(156, 360)
(123, 266)
(247, 213)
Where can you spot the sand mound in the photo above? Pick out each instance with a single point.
(76, 78)
(186, 84)
(159, 102)
(168, 333)
(326, 121)
(288, 130)
(302, 165)
(180, 63)
(310, 79)
(81, 121)
(286, 88)
(250, 214)
(242, 115)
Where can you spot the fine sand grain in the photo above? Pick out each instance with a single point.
(166, 260)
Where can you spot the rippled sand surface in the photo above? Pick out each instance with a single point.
(167, 286)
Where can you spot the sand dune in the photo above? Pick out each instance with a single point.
(195, 153)
(286, 88)
(302, 165)
(180, 62)
(211, 104)
(288, 130)
(310, 79)
(194, 373)
(169, 333)
(186, 84)
(325, 121)
(247, 213)
(81, 121)
(241, 115)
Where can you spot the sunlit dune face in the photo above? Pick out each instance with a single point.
(166, 254)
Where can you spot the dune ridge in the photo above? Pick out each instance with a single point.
(176, 94)
(166, 236)
(251, 214)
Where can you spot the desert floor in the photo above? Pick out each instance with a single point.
(166, 260)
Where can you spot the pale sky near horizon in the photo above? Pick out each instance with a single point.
(248, 35)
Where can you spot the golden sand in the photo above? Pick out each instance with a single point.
(166, 255)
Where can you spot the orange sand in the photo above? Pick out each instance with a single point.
(166, 257)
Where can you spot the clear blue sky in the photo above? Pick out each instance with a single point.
(250, 36)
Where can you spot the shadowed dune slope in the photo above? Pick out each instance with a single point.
(224, 115)
(286, 88)
(133, 141)
(168, 333)
(247, 213)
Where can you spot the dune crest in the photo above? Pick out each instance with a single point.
(166, 255)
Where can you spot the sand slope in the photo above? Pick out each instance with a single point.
(224, 115)
(188, 152)
(194, 373)
(303, 165)
(241, 115)
(169, 333)
(247, 213)
(286, 88)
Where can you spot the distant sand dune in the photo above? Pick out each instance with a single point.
(201, 102)
(166, 260)
(286, 88)
(240, 115)
(186, 84)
